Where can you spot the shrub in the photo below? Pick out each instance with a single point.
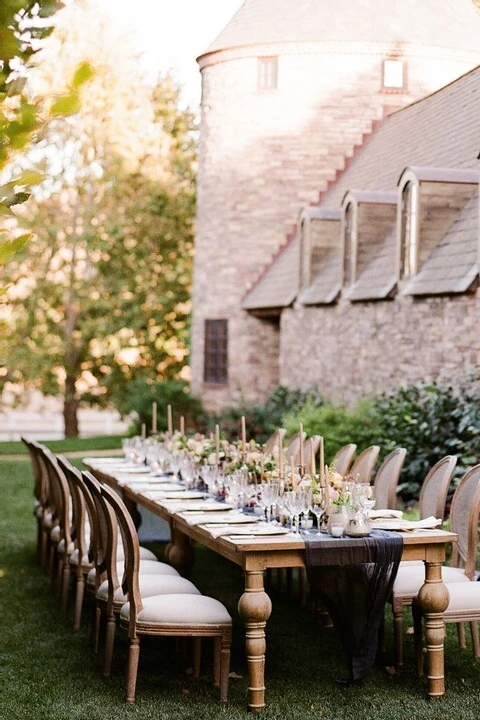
(430, 421)
(336, 424)
(137, 402)
(262, 419)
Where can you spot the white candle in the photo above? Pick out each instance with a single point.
(144, 431)
(302, 457)
(182, 425)
(280, 455)
(322, 463)
(217, 442)
(169, 419)
(312, 449)
(244, 435)
(154, 417)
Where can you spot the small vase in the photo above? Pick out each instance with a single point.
(338, 518)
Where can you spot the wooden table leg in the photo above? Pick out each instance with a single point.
(179, 552)
(254, 608)
(433, 599)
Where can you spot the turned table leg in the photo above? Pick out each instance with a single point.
(179, 552)
(433, 600)
(254, 608)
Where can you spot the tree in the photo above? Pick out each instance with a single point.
(102, 295)
(22, 26)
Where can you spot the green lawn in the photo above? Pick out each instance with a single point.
(48, 673)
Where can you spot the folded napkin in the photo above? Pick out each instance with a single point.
(175, 506)
(197, 517)
(384, 513)
(103, 460)
(399, 524)
(174, 494)
(259, 530)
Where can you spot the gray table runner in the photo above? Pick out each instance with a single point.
(353, 578)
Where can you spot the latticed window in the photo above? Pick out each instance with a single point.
(267, 73)
(216, 351)
(348, 248)
(408, 247)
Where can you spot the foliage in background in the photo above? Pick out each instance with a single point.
(337, 424)
(103, 295)
(430, 421)
(139, 397)
(262, 419)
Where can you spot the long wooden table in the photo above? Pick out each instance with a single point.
(255, 555)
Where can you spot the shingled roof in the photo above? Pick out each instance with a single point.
(453, 23)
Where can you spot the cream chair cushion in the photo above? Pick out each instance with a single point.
(409, 580)
(151, 585)
(179, 610)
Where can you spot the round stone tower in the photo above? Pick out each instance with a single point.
(290, 91)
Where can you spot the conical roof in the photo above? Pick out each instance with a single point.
(450, 24)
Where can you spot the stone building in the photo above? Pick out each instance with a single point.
(294, 97)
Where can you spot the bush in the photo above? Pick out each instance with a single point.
(430, 421)
(336, 424)
(138, 402)
(263, 419)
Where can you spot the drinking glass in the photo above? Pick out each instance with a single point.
(318, 505)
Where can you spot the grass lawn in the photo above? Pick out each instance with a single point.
(48, 673)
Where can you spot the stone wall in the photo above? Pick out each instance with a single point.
(263, 156)
(350, 350)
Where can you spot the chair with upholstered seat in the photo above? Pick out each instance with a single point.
(459, 577)
(342, 459)
(410, 575)
(292, 450)
(386, 479)
(97, 577)
(169, 612)
(363, 465)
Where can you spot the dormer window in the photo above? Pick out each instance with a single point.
(267, 73)
(349, 244)
(409, 230)
(393, 75)
(437, 209)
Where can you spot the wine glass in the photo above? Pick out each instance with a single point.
(318, 505)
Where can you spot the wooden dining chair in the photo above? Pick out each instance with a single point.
(272, 443)
(292, 450)
(410, 576)
(171, 612)
(386, 479)
(363, 465)
(40, 507)
(459, 577)
(98, 576)
(342, 459)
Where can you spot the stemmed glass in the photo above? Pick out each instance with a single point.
(267, 497)
(366, 496)
(294, 504)
(318, 505)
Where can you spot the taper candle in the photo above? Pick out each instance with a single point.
(302, 456)
(169, 419)
(154, 417)
(312, 450)
(280, 455)
(144, 431)
(244, 435)
(217, 442)
(322, 462)
(292, 471)
(182, 425)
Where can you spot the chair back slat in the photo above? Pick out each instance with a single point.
(363, 465)
(342, 459)
(386, 479)
(464, 518)
(433, 495)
